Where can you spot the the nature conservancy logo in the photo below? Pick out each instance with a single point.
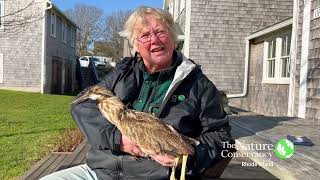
(284, 149)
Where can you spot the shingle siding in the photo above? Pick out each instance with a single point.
(22, 50)
(313, 81)
(218, 30)
(268, 99)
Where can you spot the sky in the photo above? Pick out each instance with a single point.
(108, 6)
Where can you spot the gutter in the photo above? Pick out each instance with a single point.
(246, 65)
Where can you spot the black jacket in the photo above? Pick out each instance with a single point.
(200, 115)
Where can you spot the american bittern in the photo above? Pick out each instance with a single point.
(151, 134)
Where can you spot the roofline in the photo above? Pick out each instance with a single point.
(63, 14)
(270, 29)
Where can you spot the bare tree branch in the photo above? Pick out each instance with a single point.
(21, 18)
(112, 42)
(91, 25)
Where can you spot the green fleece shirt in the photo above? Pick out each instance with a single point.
(154, 88)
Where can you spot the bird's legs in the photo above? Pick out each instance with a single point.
(183, 167)
(173, 171)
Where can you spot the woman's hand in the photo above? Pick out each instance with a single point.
(129, 147)
(164, 159)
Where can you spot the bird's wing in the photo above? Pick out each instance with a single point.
(153, 135)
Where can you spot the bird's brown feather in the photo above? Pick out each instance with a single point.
(151, 134)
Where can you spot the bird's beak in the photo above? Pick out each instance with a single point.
(81, 98)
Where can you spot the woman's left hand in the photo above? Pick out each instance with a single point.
(164, 159)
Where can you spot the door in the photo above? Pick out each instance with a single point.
(56, 76)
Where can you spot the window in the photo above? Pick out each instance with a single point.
(271, 58)
(72, 37)
(64, 32)
(285, 57)
(53, 24)
(1, 13)
(276, 66)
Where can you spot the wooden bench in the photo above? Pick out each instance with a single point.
(257, 129)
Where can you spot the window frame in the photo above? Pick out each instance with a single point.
(72, 37)
(278, 69)
(53, 24)
(63, 31)
(1, 14)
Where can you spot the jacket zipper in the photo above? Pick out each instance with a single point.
(165, 101)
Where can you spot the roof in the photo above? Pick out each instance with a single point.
(270, 29)
(63, 14)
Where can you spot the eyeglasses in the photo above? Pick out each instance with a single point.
(146, 37)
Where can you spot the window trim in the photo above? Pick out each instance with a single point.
(277, 79)
(64, 31)
(2, 14)
(53, 22)
(72, 37)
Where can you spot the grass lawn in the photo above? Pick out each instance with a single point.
(30, 124)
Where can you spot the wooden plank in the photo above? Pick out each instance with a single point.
(69, 160)
(61, 163)
(54, 165)
(238, 131)
(87, 148)
(81, 155)
(36, 166)
(42, 168)
(255, 123)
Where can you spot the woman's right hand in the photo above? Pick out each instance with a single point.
(126, 145)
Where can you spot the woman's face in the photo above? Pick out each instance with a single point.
(155, 45)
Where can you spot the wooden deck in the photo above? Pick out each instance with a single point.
(247, 128)
(56, 161)
(304, 164)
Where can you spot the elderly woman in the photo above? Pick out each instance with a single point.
(161, 81)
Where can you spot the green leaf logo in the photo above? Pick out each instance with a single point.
(284, 149)
(181, 97)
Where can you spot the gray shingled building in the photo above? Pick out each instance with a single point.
(39, 54)
(265, 53)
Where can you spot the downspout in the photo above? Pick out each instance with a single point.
(246, 70)
(48, 5)
(186, 48)
(293, 53)
(304, 58)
